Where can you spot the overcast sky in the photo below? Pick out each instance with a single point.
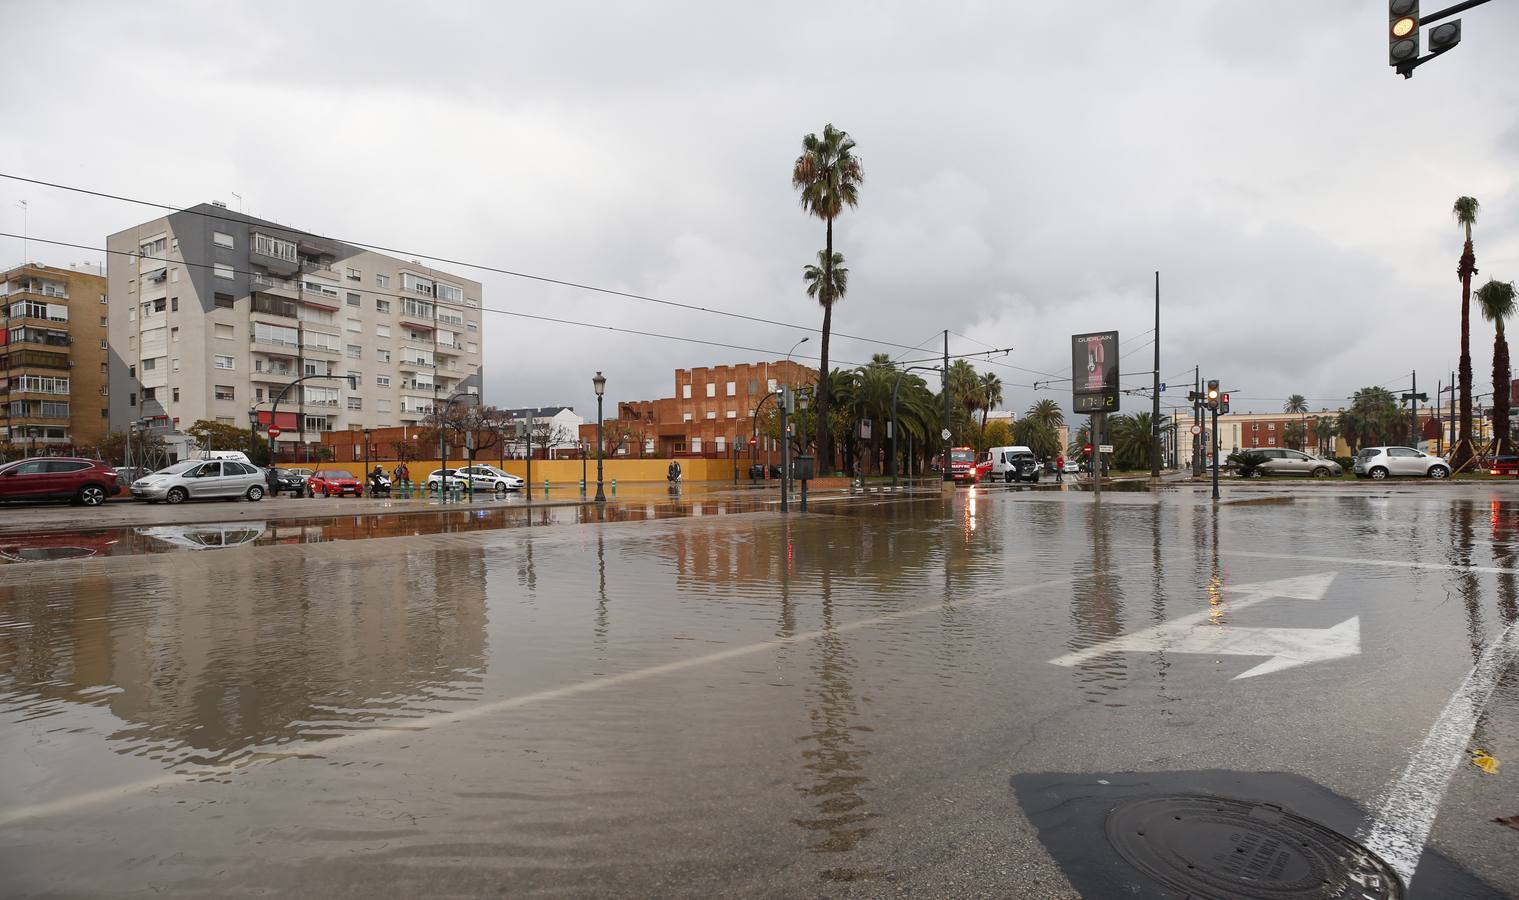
(1028, 167)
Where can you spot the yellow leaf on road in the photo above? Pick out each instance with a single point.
(1485, 762)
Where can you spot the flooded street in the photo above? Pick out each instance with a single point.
(927, 696)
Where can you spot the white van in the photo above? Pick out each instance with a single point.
(235, 455)
(1013, 464)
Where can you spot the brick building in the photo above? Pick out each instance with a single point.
(712, 410)
(53, 358)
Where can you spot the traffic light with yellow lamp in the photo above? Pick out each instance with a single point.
(1402, 32)
(1211, 400)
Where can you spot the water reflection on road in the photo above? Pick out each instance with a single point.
(669, 694)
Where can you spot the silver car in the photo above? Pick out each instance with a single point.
(201, 479)
(1386, 462)
(1282, 461)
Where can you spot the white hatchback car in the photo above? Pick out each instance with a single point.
(490, 478)
(223, 479)
(1384, 462)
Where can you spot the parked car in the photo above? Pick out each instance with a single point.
(455, 480)
(1072, 467)
(1505, 467)
(757, 471)
(214, 536)
(87, 482)
(196, 479)
(1386, 462)
(490, 478)
(1011, 464)
(287, 481)
(1281, 461)
(334, 481)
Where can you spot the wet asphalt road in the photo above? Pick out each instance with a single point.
(862, 702)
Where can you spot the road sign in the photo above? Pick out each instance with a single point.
(751, 440)
(1199, 633)
(1094, 372)
(1105, 448)
(274, 431)
(1162, 387)
(944, 434)
(1197, 429)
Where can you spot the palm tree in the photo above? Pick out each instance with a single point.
(1324, 431)
(1465, 211)
(1496, 298)
(828, 176)
(1295, 404)
(1047, 412)
(1294, 434)
(991, 393)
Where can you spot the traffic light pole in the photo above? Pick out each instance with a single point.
(1155, 416)
(1215, 451)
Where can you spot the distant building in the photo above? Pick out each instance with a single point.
(53, 375)
(713, 410)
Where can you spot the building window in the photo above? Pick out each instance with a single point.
(104, 322)
(382, 331)
(382, 306)
(355, 403)
(1255, 426)
(753, 386)
(354, 351)
(416, 284)
(711, 389)
(222, 239)
(1270, 426)
(104, 345)
(132, 399)
(353, 325)
(316, 423)
(685, 392)
(225, 392)
(264, 245)
(103, 300)
(354, 299)
(472, 347)
(174, 275)
(132, 371)
(685, 417)
(382, 405)
(732, 414)
(224, 362)
(149, 365)
(1271, 441)
(770, 385)
(472, 326)
(449, 292)
(174, 334)
(382, 355)
(224, 301)
(382, 281)
(221, 270)
(174, 304)
(174, 365)
(224, 332)
(154, 247)
(355, 275)
(149, 394)
(695, 445)
(382, 380)
(105, 368)
(712, 414)
(732, 389)
(175, 393)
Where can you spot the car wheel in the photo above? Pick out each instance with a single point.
(325, 492)
(255, 493)
(500, 487)
(1007, 477)
(1378, 473)
(1438, 472)
(176, 495)
(91, 495)
(1321, 472)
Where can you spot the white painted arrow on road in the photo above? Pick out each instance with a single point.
(1200, 632)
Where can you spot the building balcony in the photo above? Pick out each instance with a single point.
(415, 323)
(267, 284)
(322, 351)
(275, 348)
(274, 263)
(273, 376)
(275, 306)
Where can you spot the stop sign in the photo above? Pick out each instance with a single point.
(751, 442)
(274, 431)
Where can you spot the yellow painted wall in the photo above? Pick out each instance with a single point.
(567, 471)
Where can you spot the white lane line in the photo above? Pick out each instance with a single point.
(1403, 820)
(1367, 561)
(422, 723)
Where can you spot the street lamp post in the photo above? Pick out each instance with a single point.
(366, 453)
(600, 382)
(582, 467)
(801, 405)
(784, 402)
(443, 447)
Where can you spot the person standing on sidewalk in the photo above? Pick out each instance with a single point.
(1060, 467)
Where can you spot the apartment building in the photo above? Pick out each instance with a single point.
(713, 408)
(53, 357)
(215, 315)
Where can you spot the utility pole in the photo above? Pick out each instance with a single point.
(785, 404)
(1095, 431)
(1215, 451)
(949, 476)
(1155, 416)
(1197, 419)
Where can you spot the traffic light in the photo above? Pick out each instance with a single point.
(1213, 389)
(1444, 36)
(1223, 403)
(1403, 32)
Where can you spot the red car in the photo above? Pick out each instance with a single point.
(1505, 467)
(84, 481)
(327, 482)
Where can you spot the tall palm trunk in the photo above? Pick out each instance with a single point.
(825, 440)
(1466, 268)
(1501, 380)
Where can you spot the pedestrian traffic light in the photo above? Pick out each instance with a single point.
(1444, 36)
(1403, 31)
(1223, 404)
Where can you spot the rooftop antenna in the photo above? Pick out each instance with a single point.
(24, 211)
(239, 200)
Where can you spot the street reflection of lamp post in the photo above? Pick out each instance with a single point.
(582, 467)
(600, 383)
(366, 454)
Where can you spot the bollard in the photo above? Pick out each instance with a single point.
(582, 487)
(545, 488)
(614, 487)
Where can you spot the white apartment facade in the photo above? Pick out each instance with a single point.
(215, 315)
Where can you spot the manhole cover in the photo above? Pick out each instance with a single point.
(1217, 847)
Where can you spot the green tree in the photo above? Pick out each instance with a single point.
(1324, 431)
(1295, 404)
(1048, 412)
(827, 176)
(991, 394)
(1131, 439)
(1496, 299)
(1465, 211)
(1294, 435)
(1035, 435)
(1373, 418)
(998, 434)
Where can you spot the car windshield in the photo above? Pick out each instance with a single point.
(961, 455)
(333, 473)
(1368, 453)
(179, 467)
